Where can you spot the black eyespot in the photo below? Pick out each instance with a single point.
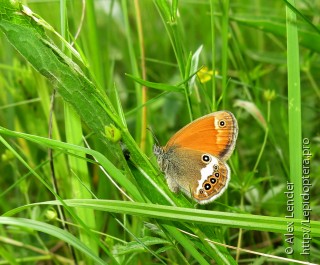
(222, 123)
(207, 186)
(206, 158)
(213, 180)
(217, 175)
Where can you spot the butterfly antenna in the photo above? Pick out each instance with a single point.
(154, 136)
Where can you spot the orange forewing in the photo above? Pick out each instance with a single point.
(207, 135)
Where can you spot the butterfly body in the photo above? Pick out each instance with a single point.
(194, 158)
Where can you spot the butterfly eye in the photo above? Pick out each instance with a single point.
(207, 186)
(222, 123)
(206, 159)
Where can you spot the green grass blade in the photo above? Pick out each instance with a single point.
(213, 54)
(294, 109)
(159, 86)
(71, 148)
(307, 38)
(187, 215)
(171, 22)
(225, 37)
(53, 231)
(186, 244)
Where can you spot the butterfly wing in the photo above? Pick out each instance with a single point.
(201, 176)
(215, 133)
(214, 181)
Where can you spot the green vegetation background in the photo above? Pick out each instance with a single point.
(157, 64)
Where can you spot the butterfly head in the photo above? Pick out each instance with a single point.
(159, 153)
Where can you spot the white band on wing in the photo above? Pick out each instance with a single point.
(207, 171)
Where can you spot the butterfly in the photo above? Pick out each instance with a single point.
(194, 159)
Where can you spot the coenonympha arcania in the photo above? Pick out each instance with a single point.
(194, 159)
